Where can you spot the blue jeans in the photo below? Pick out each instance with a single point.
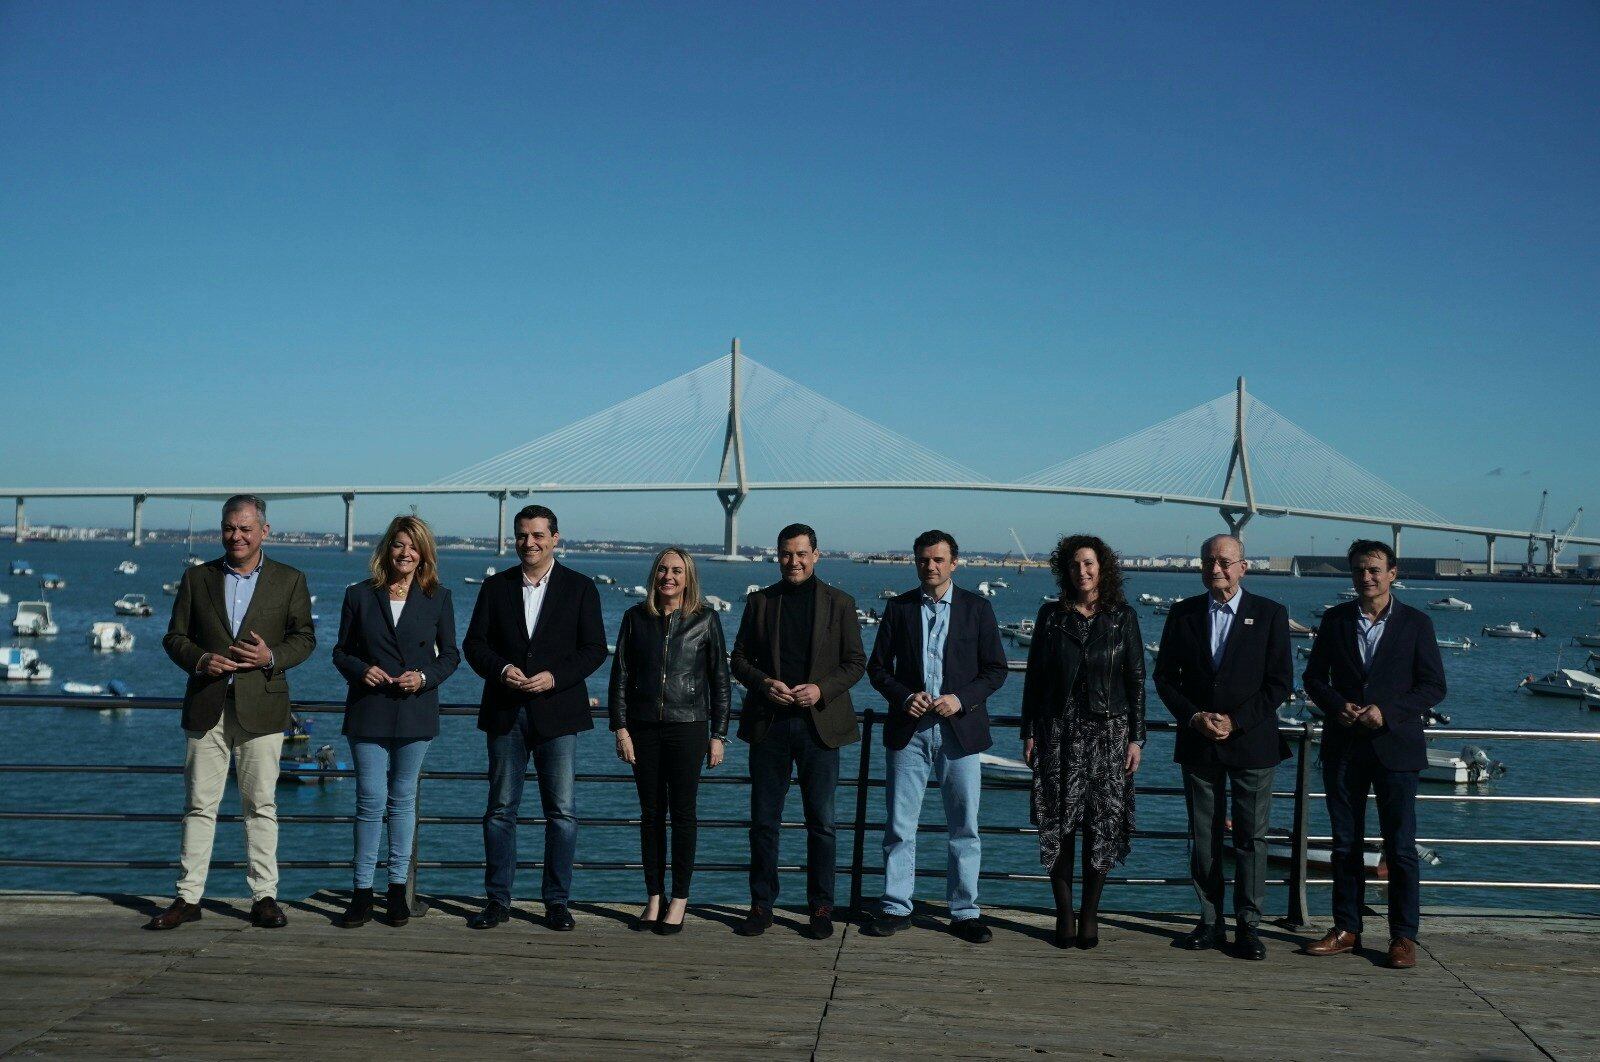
(937, 751)
(790, 744)
(386, 778)
(508, 769)
(1347, 781)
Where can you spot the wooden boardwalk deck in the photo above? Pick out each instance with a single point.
(79, 979)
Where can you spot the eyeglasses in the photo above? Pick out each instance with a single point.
(1218, 562)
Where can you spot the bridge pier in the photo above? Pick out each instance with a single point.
(1236, 522)
(1395, 528)
(21, 533)
(731, 501)
(138, 520)
(500, 525)
(349, 522)
(1489, 558)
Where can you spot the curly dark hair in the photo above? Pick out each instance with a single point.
(1110, 568)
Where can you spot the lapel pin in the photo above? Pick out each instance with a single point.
(1248, 621)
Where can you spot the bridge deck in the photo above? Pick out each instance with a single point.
(78, 979)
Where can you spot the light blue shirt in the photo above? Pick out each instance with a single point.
(1222, 616)
(238, 590)
(1369, 632)
(935, 613)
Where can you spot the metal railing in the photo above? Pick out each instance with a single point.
(1303, 736)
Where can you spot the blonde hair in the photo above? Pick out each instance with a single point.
(692, 601)
(427, 575)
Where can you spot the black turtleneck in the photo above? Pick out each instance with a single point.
(797, 608)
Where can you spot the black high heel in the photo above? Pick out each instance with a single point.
(1066, 930)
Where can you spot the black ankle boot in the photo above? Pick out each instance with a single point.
(399, 908)
(1066, 930)
(359, 913)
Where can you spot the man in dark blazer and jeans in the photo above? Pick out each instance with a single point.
(535, 636)
(797, 654)
(937, 661)
(1223, 669)
(1375, 673)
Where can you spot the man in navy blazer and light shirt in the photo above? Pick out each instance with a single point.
(536, 634)
(937, 660)
(1375, 672)
(1223, 669)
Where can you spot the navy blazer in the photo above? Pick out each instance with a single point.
(1255, 677)
(974, 665)
(1407, 679)
(569, 642)
(424, 640)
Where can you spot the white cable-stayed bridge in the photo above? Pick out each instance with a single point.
(733, 427)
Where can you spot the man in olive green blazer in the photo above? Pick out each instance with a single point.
(238, 625)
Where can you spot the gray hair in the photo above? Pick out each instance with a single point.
(245, 501)
(1222, 538)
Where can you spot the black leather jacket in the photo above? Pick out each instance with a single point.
(1114, 674)
(670, 669)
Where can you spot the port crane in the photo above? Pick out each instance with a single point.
(1023, 553)
(1558, 543)
(1533, 532)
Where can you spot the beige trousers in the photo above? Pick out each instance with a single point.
(205, 775)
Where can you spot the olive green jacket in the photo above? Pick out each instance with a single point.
(280, 612)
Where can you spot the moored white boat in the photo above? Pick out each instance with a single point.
(21, 567)
(1151, 599)
(986, 590)
(107, 636)
(132, 605)
(1300, 630)
(1450, 604)
(114, 688)
(604, 580)
(1454, 643)
(1005, 772)
(128, 567)
(635, 591)
(719, 605)
(1511, 630)
(33, 620)
(1563, 682)
(866, 619)
(19, 664)
(170, 589)
(52, 581)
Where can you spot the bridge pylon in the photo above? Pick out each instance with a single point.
(732, 492)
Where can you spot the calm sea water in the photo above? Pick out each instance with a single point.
(1482, 695)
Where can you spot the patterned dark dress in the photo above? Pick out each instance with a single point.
(1079, 777)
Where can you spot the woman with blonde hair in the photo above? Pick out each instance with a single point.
(669, 708)
(396, 647)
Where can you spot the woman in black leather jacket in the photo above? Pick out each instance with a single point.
(669, 708)
(1083, 727)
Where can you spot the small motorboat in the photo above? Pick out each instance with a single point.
(1164, 608)
(18, 664)
(1450, 604)
(1300, 630)
(1454, 643)
(1003, 772)
(313, 769)
(1049, 599)
(1152, 599)
(5, 598)
(635, 591)
(33, 620)
(299, 728)
(1471, 766)
(1563, 682)
(887, 594)
(1322, 610)
(1349, 594)
(1589, 641)
(1511, 630)
(604, 579)
(473, 580)
(110, 637)
(1011, 630)
(1280, 849)
(132, 605)
(717, 604)
(52, 581)
(21, 567)
(114, 688)
(1023, 638)
(986, 590)
(1016, 665)
(128, 567)
(999, 584)
(751, 588)
(1153, 649)
(170, 589)
(866, 619)
(194, 562)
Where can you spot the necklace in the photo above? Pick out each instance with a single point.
(399, 591)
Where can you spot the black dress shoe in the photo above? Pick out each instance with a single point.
(972, 930)
(1247, 945)
(885, 925)
(757, 922)
(266, 914)
(558, 918)
(175, 916)
(821, 925)
(359, 913)
(399, 907)
(493, 915)
(1202, 937)
(665, 928)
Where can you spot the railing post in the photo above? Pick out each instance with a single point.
(1296, 918)
(859, 844)
(417, 907)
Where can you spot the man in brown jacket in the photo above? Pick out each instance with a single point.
(239, 623)
(797, 654)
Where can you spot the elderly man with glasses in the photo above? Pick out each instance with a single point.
(1223, 669)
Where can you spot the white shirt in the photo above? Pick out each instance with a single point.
(395, 608)
(1222, 615)
(533, 599)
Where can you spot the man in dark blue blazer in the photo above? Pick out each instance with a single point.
(1223, 669)
(1375, 672)
(536, 634)
(937, 660)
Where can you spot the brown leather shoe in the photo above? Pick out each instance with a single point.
(266, 914)
(1336, 942)
(1402, 953)
(175, 916)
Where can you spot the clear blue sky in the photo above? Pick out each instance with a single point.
(366, 242)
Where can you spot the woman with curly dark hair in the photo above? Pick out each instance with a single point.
(1083, 727)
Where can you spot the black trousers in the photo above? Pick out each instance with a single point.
(1347, 781)
(667, 762)
(791, 746)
